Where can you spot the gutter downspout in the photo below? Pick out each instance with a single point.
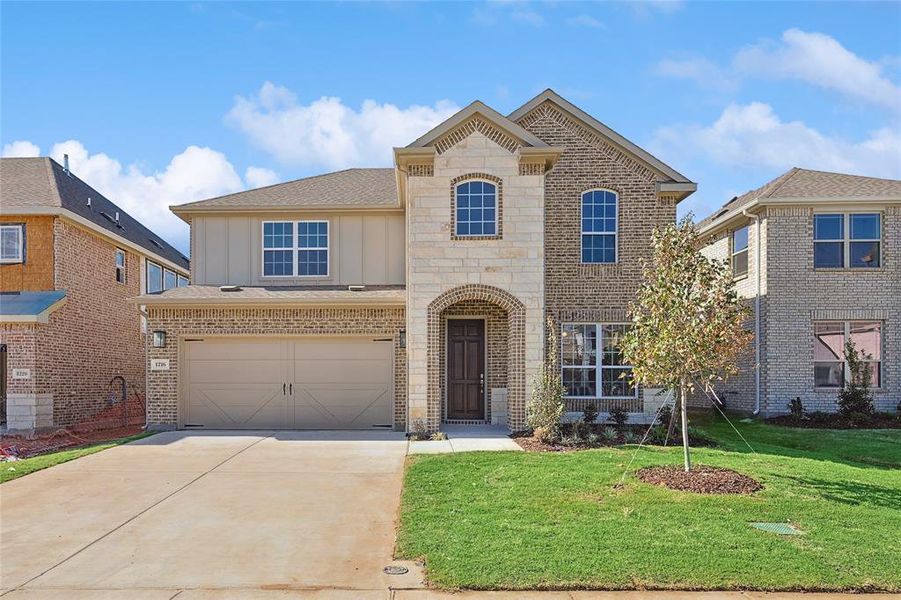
(756, 311)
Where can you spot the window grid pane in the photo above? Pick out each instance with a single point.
(599, 226)
(829, 227)
(865, 227)
(476, 208)
(579, 345)
(278, 235)
(278, 263)
(11, 243)
(828, 255)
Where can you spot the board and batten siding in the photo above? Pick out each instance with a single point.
(364, 248)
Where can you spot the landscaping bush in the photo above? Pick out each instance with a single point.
(545, 407)
(796, 408)
(609, 435)
(855, 401)
(590, 413)
(619, 417)
(665, 415)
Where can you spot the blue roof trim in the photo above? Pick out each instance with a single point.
(28, 303)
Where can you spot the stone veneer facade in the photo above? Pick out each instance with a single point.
(600, 293)
(794, 295)
(181, 323)
(93, 337)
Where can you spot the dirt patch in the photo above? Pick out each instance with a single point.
(701, 480)
(837, 421)
(531, 444)
(20, 446)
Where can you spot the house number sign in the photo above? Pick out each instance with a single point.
(21, 373)
(159, 364)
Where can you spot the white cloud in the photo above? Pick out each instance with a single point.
(327, 133)
(753, 136)
(259, 177)
(585, 21)
(21, 149)
(702, 71)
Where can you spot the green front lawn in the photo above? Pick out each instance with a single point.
(555, 520)
(18, 468)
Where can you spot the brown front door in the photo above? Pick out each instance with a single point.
(465, 369)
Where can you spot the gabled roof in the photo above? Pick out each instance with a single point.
(348, 189)
(33, 307)
(35, 184)
(805, 184)
(478, 108)
(613, 137)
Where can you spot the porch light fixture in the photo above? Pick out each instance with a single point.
(402, 338)
(159, 339)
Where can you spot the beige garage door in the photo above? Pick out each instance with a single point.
(297, 383)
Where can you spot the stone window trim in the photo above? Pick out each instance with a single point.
(582, 233)
(846, 335)
(18, 229)
(516, 320)
(494, 180)
(847, 240)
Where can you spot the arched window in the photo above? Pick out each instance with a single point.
(476, 208)
(600, 223)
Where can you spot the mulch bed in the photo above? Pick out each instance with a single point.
(701, 480)
(836, 421)
(20, 446)
(531, 444)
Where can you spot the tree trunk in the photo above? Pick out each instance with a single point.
(683, 399)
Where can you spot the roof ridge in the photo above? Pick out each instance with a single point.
(52, 178)
(791, 173)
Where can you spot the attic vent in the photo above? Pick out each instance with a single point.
(89, 202)
(721, 213)
(229, 288)
(356, 288)
(107, 216)
(156, 243)
(734, 198)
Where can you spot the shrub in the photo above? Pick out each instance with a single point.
(438, 436)
(580, 429)
(665, 415)
(419, 432)
(593, 439)
(590, 413)
(630, 437)
(855, 401)
(619, 417)
(609, 435)
(796, 408)
(546, 404)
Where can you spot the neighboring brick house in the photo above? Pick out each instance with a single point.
(71, 261)
(823, 250)
(416, 295)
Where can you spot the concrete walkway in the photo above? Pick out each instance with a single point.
(468, 438)
(192, 511)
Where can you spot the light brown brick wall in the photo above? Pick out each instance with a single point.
(593, 292)
(36, 273)
(162, 396)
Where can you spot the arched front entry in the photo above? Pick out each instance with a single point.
(475, 310)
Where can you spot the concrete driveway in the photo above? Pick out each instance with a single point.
(210, 515)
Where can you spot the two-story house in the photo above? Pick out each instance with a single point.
(416, 295)
(70, 262)
(817, 256)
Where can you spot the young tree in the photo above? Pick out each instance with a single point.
(687, 323)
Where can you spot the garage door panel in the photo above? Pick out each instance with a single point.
(343, 406)
(236, 371)
(341, 349)
(238, 406)
(237, 349)
(330, 371)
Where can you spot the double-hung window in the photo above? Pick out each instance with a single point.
(740, 252)
(476, 209)
(599, 226)
(154, 277)
(120, 265)
(592, 363)
(12, 243)
(847, 240)
(830, 369)
(295, 248)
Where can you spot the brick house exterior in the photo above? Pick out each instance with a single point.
(798, 300)
(457, 257)
(60, 363)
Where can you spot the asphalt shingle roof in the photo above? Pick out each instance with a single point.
(207, 294)
(28, 304)
(351, 188)
(805, 183)
(42, 182)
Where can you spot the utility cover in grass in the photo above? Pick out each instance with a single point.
(779, 528)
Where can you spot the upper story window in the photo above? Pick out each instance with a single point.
(847, 240)
(740, 252)
(159, 278)
(830, 369)
(120, 265)
(300, 254)
(592, 364)
(476, 209)
(183, 281)
(12, 243)
(599, 226)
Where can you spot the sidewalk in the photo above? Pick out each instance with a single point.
(468, 438)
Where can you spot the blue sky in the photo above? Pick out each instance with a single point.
(163, 103)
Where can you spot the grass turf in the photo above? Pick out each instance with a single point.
(555, 520)
(20, 468)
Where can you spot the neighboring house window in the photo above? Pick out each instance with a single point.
(312, 248)
(592, 363)
(12, 243)
(476, 203)
(599, 226)
(183, 281)
(302, 255)
(170, 279)
(120, 265)
(154, 277)
(830, 369)
(847, 240)
(740, 252)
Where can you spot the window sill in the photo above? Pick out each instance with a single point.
(739, 278)
(835, 390)
(7, 261)
(849, 269)
(474, 238)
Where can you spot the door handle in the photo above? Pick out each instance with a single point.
(283, 389)
(291, 388)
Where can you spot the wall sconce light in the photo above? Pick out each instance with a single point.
(402, 338)
(159, 339)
